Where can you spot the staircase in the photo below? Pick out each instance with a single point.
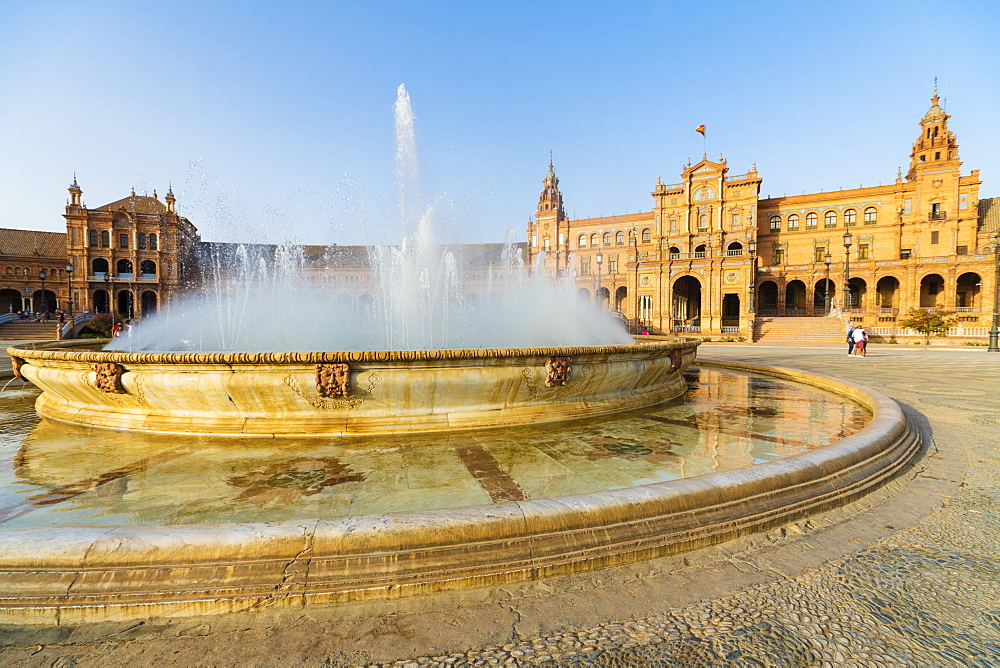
(22, 330)
(795, 329)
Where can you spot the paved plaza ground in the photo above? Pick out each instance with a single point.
(907, 576)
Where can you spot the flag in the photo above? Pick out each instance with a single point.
(701, 129)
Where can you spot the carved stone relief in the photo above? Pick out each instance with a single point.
(109, 377)
(333, 380)
(558, 370)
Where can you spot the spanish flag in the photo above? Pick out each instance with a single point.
(701, 129)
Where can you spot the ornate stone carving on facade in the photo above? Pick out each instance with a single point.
(333, 380)
(109, 377)
(16, 363)
(676, 359)
(558, 370)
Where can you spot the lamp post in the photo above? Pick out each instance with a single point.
(826, 288)
(847, 269)
(69, 287)
(107, 293)
(752, 287)
(42, 275)
(635, 249)
(996, 295)
(600, 260)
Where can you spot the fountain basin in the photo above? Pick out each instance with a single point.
(328, 394)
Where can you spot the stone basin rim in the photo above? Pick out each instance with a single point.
(67, 351)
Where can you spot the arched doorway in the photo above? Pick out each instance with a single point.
(731, 310)
(887, 293)
(621, 294)
(147, 302)
(821, 291)
(10, 301)
(768, 298)
(967, 289)
(686, 306)
(101, 301)
(126, 305)
(603, 297)
(858, 288)
(795, 298)
(931, 291)
(584, 295)
(44, 302)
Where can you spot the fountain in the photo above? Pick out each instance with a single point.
(392, 370)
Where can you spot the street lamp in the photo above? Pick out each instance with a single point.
(847, 269)
(600, 259)
(996, 294)
(42, 275)
(635, 249)
(752, 249)
(107, 293)
(69, 287)
(826, 289)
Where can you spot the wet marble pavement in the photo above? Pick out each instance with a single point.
(905, 577)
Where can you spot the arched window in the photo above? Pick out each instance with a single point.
(105, 239)
(793, 222)
(699, 251)
(582, 241)
(850, 217)
(10, 271)
(100, 266)
(647, 236)
(17, 271)
(607, 239)
(703, 222)
(675, 253)
(152, 242)
(593, 239)
(93, 238)
(124, 267)
(775, 223)
(811, 220)
(871, 215)
(619, 238)
(735, 248)
(147, 268)
(830, 219)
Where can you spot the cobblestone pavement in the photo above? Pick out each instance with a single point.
(906, 577)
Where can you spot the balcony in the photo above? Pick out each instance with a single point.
(968, 309)
(937, 215)
(731, 253)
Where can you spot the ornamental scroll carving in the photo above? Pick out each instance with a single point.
(109, 377)
(558, 370)
(16, 363)
(333, 380)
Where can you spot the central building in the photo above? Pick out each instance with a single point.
(713, 257)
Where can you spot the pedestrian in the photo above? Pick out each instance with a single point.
(850, 337)
(860, 341)
(117, 329)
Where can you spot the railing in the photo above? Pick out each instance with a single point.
(698, 255)
(8, 317)
(738, 251)
(937, 215)
(686, 328)
(887, 311)
(952, 331)
(768, 311)
(795, 311)
(67, 329)
(728, 329)
(968, 309)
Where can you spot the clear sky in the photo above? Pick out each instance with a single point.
(274, 120)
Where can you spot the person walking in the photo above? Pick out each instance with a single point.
(850, 337)
(860, 337)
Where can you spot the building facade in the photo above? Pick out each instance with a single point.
(712, 255)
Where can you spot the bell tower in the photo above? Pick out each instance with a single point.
(936, 149)
(551, 229)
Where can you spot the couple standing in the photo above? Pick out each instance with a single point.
(857, 340)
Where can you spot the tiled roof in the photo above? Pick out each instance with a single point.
(136, 204)
(989, 215)
(31, 243)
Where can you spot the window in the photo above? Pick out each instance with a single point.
(961, 250)
(141, 241)
(147, 268)
(793, 222)
(675, 253)
(93, 238)
(923, 158)
(593, 240)
(585, 266)
(545, 244)
(647, 236)
(702, 222)
(619, 238)
(811, 220)
(850, 218)
(123, 240)
(17, 271)
(830, 219)
(699, 251)
(963, 201)
(908, 206)
(775, 223)
(703, 194)
(819, 254)
(863, 252)
(779, 256)
(10, 271)
(935, 235)
(932, 287)
(105, 239)
(871, 215)
(606, 239)
(673, 224)
(612, 264)
(534, 241)
(582, 241)
(937, 155)
(905, 253)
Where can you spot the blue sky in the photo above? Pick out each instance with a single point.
(273, 120)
